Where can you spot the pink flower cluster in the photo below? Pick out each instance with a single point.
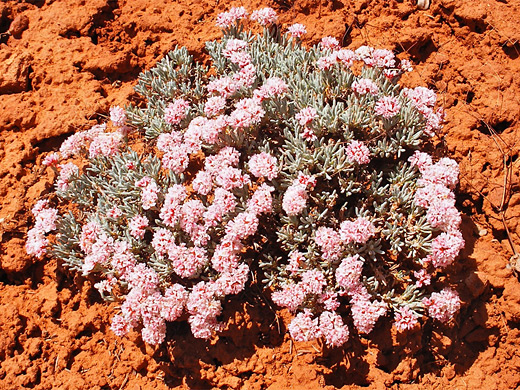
(442, 305)
(228, 19)
(149, 190)
(365, 86)
(297, 30)
(436, 196)
(305, 118)
(37, 243)
(295, 199)
(331, 242)
(357, 152)
(329, 43)
(405, 319)
(344, 57)
(263, 165)
(176, 111)
(387, 107)
(328, 325)
(66, 172)
(424, 99)
(264, 16)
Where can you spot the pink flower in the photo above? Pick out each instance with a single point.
(308, 181)
(187, 262)
(443, 214)
(442, 305)
(329, 241)
(39, 206)
(100, 253)
(297, 30)
(348, 274)
(66, 172)
(383, 58)
(51, 160)
(329, 43)
(326, 62)
(162, 240)
(227, 19)
(243, 225)
(345, 57)
(365, 313)
(313, 282)
(387, 107)
(114, 212)
(154, 335)
(203, 183)
(89, 234)
(358, 231)
(248, 112)
(261, 201)
(193, 134)
(357, 152)
(241, 58)
(173, 302)
(168, 141)
(290, 296)
(303, 327)
(226, 157)
(429, 193)
(406, 65)
(273, 86)
(105, 144)
(445, 248)
(232, 281)
(364, 53)
(306, 116)
(296, 259)
(233, 46)
(263, 165)
(46, 220)
(137, 226)
(333, 329)
(176, 111)
(225, 257)
(122, 260)
(214, 106)
(245, 78)
(421, 98)
(421, 160)
(365, 86)
(405, 318)
(423, 278)
(445, 171)
(329, 300)
(121, 325)
(223, 202)
(171, 209)
(229, 178)
(176, 159)
(295, 199)
(118, 116)
(264, 16)
(225, 86)
(36, 244)
(148, 193)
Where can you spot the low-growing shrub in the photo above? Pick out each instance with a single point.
(305, 167)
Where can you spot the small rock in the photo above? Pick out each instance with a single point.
(19, 25)
(14, 72)
(475, 285)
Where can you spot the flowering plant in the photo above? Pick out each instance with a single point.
(307, 159)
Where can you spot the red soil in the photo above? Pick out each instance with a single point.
(63, 63)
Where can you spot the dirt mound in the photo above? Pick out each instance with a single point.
(63, 63)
